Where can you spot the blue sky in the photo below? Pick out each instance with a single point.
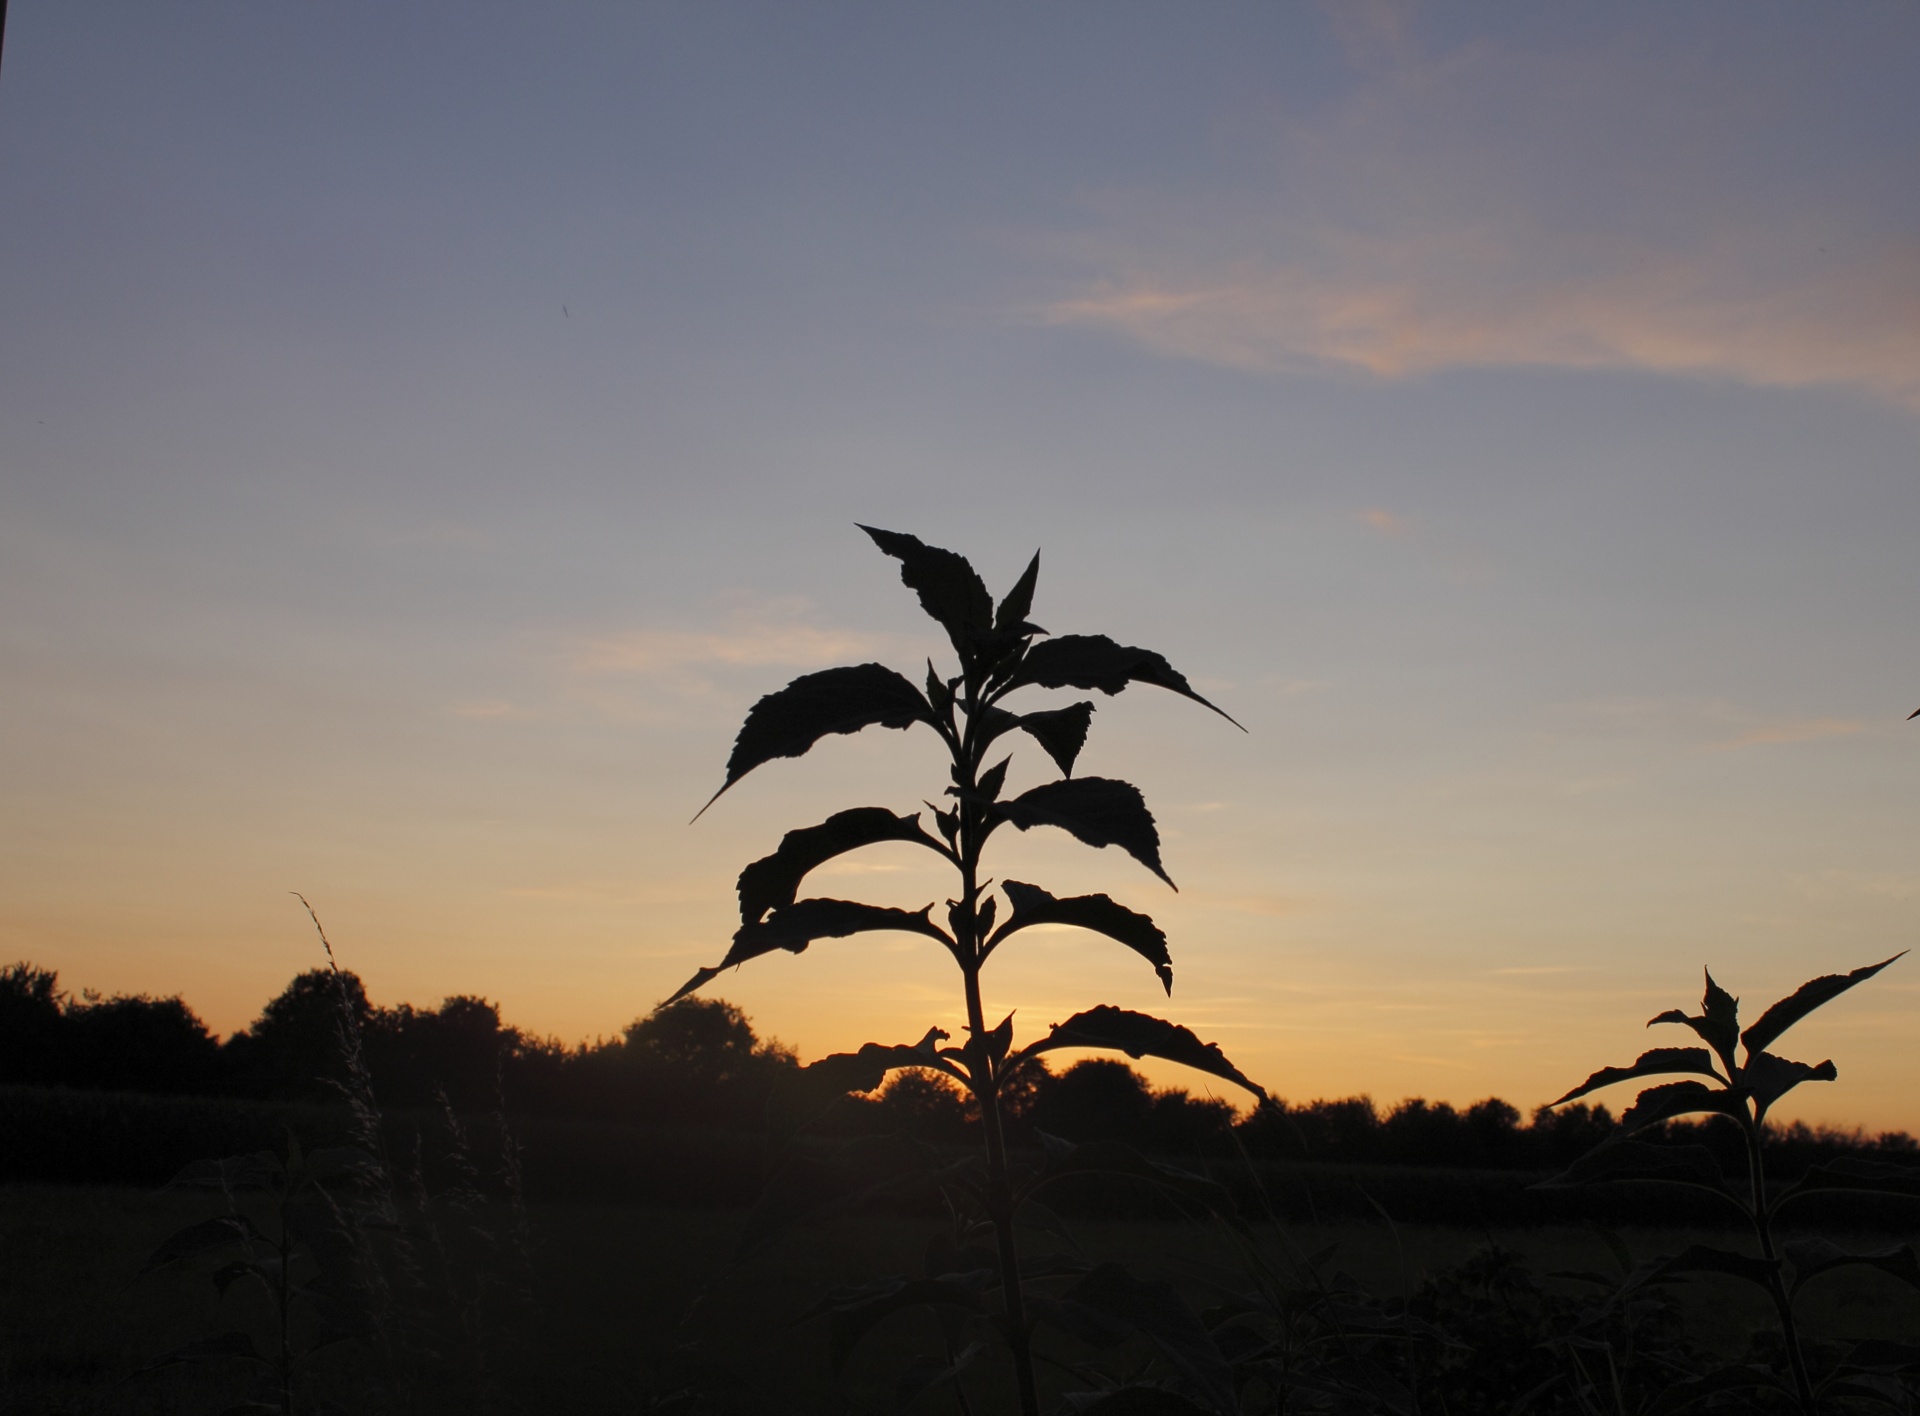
(425, 429)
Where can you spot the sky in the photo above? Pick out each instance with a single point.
(426, 428)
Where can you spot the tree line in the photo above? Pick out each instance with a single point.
(698, 1063)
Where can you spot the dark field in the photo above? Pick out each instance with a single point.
(607, 1326)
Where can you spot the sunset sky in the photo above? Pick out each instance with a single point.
(426, 428)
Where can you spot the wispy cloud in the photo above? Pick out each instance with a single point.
(1794, 730)
(1485, 208)
(773, 634)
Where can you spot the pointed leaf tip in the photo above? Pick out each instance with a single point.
(1097, 662)
(1018, 605)
(1815, 993)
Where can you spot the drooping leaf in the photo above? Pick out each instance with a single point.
(1767, 1078)
(862, 1071)
(235, 1172)
(209, 1349)
(1109, 1305)
(793, 927)
(1032, 905)
(1704, 1258)
(773, 881)
(1065, 1159)
(813, 706)
(1133, 1401)
(1141, 1035)
(1096, 662)
(950, 590)
(1655, 1062)
(1693, 1166)
(1853, 1174)
(1062, 732)
(854, 1312)
(1657, 1104)
(204, 1237)
(1808, 996)
(1011, 617)
(1684, 1394)
(1098, 810)
(812, 1186)
(1817, 1255)
(926, 1374)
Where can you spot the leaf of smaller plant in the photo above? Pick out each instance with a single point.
(1095, 662)
(773, 881)
(1062, 732)
(813, 706)
(1657, 1104)
(1879, 1354)
(204, 1237)
(1636, 1160)
(1133, 1401)
(1655, 1062)
(1064, 1159)
(1032, 905)
(1814, 993)
(950, 590)
(1097, 810)
(1142, 1035)
(793, 927)
(862, 1071)
(1767, 1078)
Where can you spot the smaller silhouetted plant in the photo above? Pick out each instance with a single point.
(1000, 653)
(1738, 1077)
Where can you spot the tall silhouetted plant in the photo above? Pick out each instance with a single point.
(1000, 653)
(1743, 1090)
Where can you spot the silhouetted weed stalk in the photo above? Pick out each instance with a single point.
(1000, 653)
(351, 1252)
(1742, 1089)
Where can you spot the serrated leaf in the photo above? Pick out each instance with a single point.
(1767, 1078)
(862, 1071)
(1657, 1061)
(773, 881)
(950, 590)
(1011, 617)
(793, 927)
(1142, 1035)
(1097, 810)
(204, 1237)
(1657, 1104)
(813, 706)
(1062, 732)
(1032, 905)
(1096, 662)
(1109, 1305)
(992, 780)
(1814, 993)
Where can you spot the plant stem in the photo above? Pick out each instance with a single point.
(985, 1071)
(1763, 1231)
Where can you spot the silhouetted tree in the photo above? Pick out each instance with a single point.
(31, 1032)
(294, 1048)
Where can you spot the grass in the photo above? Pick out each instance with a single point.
(612, 1286)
